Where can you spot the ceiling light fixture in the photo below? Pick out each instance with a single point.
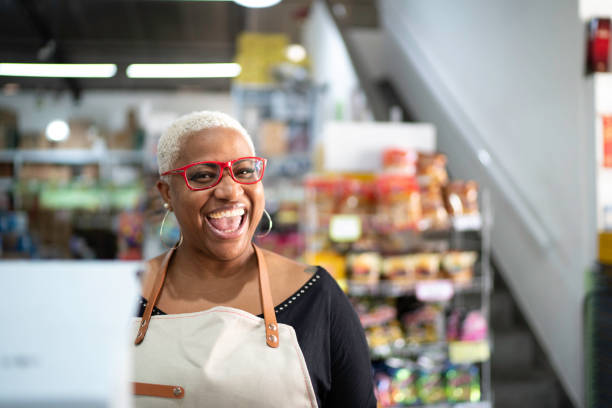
(213, 70)
(295, 53)
(257, 3)
(58, 70)
(57, 131)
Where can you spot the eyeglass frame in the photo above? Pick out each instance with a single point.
(223, 166)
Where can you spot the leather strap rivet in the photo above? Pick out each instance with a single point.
(272, 338)
(272, 326)
(177, 391)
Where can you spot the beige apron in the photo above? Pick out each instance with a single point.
(221, 357)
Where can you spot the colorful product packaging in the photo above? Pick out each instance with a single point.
(462, 383)
(364, 268)
(458, 266)
(398, 270)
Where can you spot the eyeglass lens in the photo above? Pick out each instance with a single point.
(203, 175)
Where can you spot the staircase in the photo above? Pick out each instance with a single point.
(521, 375)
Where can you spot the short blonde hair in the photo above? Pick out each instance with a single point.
(171, 140)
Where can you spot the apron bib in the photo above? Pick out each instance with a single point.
(220, 357)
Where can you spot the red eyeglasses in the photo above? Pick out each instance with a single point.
(207, 174)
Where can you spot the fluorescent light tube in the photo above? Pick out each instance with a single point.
(58, 70)
(257, 3)
(220, 70)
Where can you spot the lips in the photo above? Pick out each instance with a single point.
(227, 223)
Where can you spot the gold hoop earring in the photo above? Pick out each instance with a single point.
(161, 230)
(270, 224)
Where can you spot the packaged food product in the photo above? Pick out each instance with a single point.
(462, 383)
(398, 270)
(434, 212)
(462, 198)
(333, 262)
(465, 325)
(375, 315)
(459, 266)
(364, 268)
(404, 377)
(430, 385)
(400, 160)
(431, 169)
(383, 389)
(321, 193)
(399, 203)
(426, 266)
(425, 324)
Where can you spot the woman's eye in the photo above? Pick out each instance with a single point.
(246, 171)
(201, 176)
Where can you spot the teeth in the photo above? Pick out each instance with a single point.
(227, 213)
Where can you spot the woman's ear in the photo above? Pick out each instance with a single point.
(164, 190)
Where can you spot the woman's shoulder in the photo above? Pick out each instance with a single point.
(286, 274)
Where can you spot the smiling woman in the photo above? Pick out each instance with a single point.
(226, 323)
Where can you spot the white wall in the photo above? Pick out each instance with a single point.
(330, 61)
(503, 83)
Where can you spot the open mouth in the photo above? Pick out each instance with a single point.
(227, 223)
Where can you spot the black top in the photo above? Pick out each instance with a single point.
(332, 341)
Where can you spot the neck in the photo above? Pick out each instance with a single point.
(193, 270)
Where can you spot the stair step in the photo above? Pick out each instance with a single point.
(513, 353)
(536, 390)
(502, 311)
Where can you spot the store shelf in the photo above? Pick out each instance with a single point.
(71, 156)
(289, 165)
(405, 350)
(386, 289)
(6, 183)
(479, 404)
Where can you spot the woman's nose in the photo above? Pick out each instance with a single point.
(227, 188)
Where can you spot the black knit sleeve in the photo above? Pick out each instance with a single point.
(351, 375)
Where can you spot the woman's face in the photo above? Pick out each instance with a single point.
(221, 220)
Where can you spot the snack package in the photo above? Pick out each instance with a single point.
(399, 160)
(462, 198)
(430, 385)
(426, 266)
(474, 327)
(383, 389)
(375, 315)
(382, 339)
(404, 377)
(333, 262)
(364, 268)
(459, 266)
(424, 324)
(462, 383)
(434, 214)
(398, 270)
(398, 203)
(431, 169)
(466, 326)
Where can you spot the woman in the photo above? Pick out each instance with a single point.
(222, 322)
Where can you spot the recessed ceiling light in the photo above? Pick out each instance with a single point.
(295, 53)
(57, 131)
(58, 70)
(220, 70)
(257, 3)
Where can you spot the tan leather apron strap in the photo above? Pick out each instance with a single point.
(266, 301)
(158, 390)
(153, 297)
